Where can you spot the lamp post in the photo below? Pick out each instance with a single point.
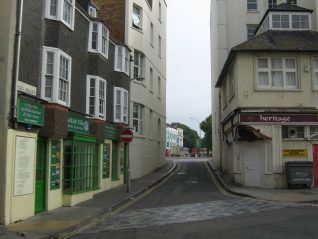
(129, 125)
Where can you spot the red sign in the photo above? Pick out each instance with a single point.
(279, 118)
(126, 136)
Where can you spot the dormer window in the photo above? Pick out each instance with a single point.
(290, 21)
(92, 11)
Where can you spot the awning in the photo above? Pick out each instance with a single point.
(248, 133)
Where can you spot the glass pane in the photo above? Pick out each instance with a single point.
(263, 78)
(262, 63)
(291, 79)
(277, 63)
(277, 78)
(48, 86)
(290, 63)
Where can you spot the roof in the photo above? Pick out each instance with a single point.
(274, 41)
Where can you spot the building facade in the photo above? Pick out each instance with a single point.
(267, 99)
(61, 121)
(144, 25)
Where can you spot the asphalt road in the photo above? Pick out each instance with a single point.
(189, 205)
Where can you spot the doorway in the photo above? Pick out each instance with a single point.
(315, 159)
(252, 158)
(40, 183)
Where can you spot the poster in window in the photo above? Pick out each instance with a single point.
(55, 164)
(106, 160)
(24, 166)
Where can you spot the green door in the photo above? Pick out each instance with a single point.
(115, 162)
(40, 189)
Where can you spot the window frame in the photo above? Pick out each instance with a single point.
(152, 39)
(151, 80)
(140, 67)
(124, 66)
(123, 105)
(248, 33)
(60, 12)
(56, 70)
(102, 42)
(269, 70)
(138, 119)
(290, 21)
(271, 4)
(160, 12)
(159, 87)
(314, 72)
(159, 46)
(249, 3)
(97, 97)
(138, 15)
(92, 11)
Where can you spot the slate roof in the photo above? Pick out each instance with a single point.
(290, 8)
(274, 41)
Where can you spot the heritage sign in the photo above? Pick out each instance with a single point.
(278, 118)
(30, 112)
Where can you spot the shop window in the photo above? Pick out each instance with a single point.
(80, 165)
(293, 132)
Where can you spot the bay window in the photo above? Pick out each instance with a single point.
(98, 38)
(96, 97)
(122, 59)
(61, 10)
(277, 73)
(56, 76)
(120, 105)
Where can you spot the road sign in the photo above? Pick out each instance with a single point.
(126, 136)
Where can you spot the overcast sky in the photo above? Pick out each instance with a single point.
(188, 62)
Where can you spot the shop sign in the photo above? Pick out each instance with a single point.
(77, 123)
(278, 118)
(55, 181)
(111, 132)
(295, 153)
(26, 88)
(30, 112)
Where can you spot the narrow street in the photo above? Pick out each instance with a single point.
(190, 205)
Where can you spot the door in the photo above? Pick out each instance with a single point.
(252, 165)
(315, 159)
(115, 162)
(40, 183)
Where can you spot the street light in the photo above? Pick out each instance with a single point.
(199, 125)
(129, 101)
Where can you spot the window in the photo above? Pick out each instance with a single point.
(292, 2)
(137, 17)
(80, 165)
(159, 87)
(293, 132)
(92, 11)
(250, 31)
(300, 22)
(138, 64)
(159, 46)
(96, 97)
(151, 34)
(122, 59)
(160, 12)
(151, 79)
(288, 21)
(279, 73)
(149, 3)
(56, 76)
(251, 5)
(315, 69)
(280, 21)
(231, 84)
(272, 3)
(313, 132)
(98, 38)
(120, 105)
(137, 118)
(61, 10)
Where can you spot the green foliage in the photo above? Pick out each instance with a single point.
(206, 127)
(191, 136)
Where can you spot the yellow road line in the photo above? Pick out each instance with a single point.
(108, 215)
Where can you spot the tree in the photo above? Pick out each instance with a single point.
(206, 127)
(190, 136)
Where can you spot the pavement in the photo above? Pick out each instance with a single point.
(59, 222)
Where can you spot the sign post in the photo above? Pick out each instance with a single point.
(126, 136)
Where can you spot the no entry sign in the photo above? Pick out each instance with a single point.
(126, 136)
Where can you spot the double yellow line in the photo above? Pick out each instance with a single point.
(112, 213)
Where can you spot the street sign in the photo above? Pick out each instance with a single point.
(126, 136)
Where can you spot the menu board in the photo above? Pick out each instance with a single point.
(106, 160)
(24, 166)
(55, 181)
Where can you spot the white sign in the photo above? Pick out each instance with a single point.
(24, 166)
(26, 88)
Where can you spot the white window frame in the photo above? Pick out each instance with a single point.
(122, 105)
(159, 46)
(159, 87)
(56, 77)
(254, 2)
(98, 97)
(60, 11)
(151, 80)
(151, 34)
(272, 3)
(290, 16)
(138, 16)
(315, 73)
(284, 71)
(139, 64)
(92, 11)
(160, 12)
(123, 64)
(138, 119)
(102, 43)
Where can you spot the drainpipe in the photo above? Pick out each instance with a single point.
(16, 62)
(220, 132)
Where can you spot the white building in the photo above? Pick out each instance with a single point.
(146, 36)
(257, 130)
(232, 22)
(180, 137)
